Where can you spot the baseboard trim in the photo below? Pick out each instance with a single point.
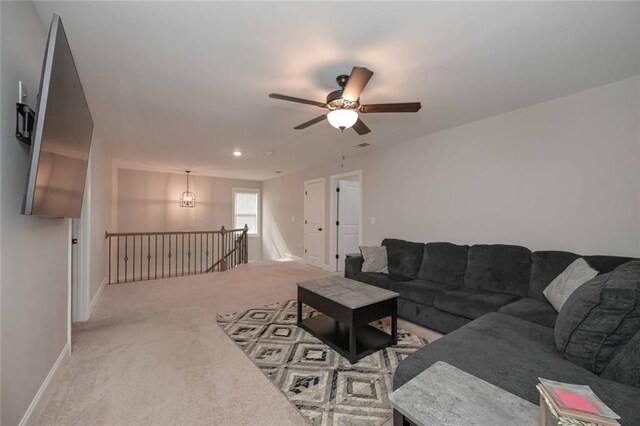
(44, 388)
(97, 296)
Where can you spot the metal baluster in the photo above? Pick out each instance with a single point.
(155, 260)
(141, 264)
(118, 262)
(169, 255)
(148, 257)
(126, 258)
(134, 258)
(162, 256)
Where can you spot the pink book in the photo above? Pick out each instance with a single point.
(578, 398)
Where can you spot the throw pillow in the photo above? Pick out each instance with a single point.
(576, 274)
(375, 259)
(600, 317)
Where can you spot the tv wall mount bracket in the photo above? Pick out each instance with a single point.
(25, 117)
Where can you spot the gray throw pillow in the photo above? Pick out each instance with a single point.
(375, 259)
(600, 317)
(576, 274)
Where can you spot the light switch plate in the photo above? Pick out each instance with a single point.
(373, 220)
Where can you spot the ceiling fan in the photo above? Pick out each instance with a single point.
(344, 104)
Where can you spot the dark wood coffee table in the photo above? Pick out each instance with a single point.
(346, 308)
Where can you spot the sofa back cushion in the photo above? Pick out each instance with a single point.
(403, 257)
(545, 267)
(604, 264)
(444, 263)
(500, 268)
(625, 365)
(600, 317)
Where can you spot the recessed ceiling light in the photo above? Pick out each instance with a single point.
(270, 153)
(237, 153)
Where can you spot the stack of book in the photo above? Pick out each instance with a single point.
(567, 404)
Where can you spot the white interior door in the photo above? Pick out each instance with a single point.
(314, 223)
(348, 220)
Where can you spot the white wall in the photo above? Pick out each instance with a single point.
(34, 251)
(96, 219)
(563, 174)
(149, 201)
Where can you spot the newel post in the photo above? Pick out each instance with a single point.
(245, 246)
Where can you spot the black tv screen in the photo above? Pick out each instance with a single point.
(61, 136)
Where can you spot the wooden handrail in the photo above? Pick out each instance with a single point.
(131, 234)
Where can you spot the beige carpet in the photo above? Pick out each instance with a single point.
(152, 354)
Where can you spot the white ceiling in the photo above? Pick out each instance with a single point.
(177, 85)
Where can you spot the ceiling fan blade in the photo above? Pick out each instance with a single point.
(298, 100)
(311, 122)
(357, 81)
(361, 128)
(400, 107)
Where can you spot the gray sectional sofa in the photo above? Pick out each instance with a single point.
(488, 300)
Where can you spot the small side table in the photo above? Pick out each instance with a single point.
(444, 395)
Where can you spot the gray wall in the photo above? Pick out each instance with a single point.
(34, 251)
(563, 174)
(149, 201)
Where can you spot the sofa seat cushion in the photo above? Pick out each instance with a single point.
(420, 291)
(403, 257)
(500, 268)
(374, 278)
(444, 263)
(471, 303)
(531, 310)
(512, 353)
(600, 317)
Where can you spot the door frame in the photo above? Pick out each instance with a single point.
(333, 214)
(324, 227)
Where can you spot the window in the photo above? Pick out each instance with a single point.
(246, 209)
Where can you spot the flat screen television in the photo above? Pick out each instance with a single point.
(61, 135)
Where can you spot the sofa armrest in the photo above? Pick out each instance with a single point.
(353, 265)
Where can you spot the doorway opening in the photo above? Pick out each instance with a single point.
(346, 217)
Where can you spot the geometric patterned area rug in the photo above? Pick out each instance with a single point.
(324, 387)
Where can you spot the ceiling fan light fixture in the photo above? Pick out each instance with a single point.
(342, 118)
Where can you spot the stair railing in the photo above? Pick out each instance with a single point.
(141, 256)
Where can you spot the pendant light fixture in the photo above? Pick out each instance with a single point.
(188, 198)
